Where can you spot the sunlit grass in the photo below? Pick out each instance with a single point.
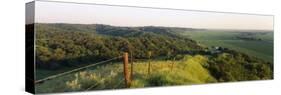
(163, 73)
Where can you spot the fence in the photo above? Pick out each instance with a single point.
(127, 74)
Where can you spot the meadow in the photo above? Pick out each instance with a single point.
(189, 70)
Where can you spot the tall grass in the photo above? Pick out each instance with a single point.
(189, 70)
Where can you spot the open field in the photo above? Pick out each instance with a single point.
(259, 48)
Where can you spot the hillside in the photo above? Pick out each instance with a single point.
(71, 44)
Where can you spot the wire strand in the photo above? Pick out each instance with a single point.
(74, 70)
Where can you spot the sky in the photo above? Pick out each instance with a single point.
(53, 12)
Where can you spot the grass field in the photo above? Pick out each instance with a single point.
(259, 48)
(189, 70)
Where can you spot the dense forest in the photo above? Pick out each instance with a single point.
(70, 45)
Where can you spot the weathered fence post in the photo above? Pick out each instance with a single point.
(126, 71)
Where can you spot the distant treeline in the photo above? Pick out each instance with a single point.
(252, 36)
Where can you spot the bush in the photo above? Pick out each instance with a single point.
(235, 66)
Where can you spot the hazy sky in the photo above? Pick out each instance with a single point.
(50, 12)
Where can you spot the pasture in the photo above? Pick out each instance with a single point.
(261, 48)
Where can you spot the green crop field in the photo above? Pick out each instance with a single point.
(259, 48)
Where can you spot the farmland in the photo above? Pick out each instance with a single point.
(262, 48)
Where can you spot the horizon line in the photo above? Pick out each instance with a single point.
(272, 30)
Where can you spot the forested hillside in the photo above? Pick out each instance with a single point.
(72, 44)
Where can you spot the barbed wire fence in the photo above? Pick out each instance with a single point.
(74, 70)
(126, 80)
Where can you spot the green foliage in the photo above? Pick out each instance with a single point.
(236, 66)
(59, 45)
(58, 54)
(43, 54)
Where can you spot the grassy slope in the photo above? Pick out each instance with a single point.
(186, 71)
(261, 49)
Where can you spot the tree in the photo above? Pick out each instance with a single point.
(43, 54)
(59, 54)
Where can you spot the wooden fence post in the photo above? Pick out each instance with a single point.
(126, 71)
